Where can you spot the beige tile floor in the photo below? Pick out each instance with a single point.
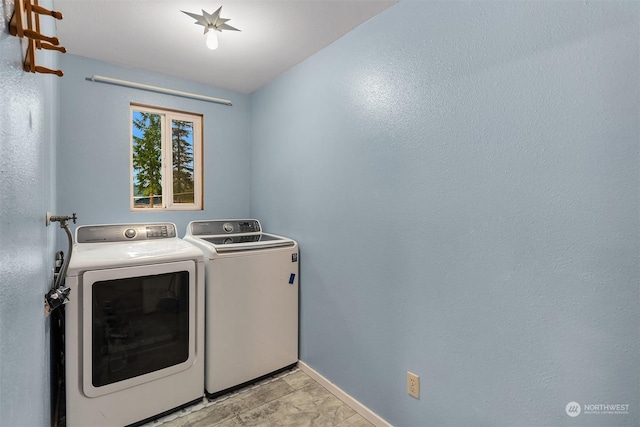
(292, 399)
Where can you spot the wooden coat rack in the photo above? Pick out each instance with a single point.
(25, 22)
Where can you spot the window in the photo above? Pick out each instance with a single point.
(166, 159)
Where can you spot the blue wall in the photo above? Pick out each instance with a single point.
(28, 119)
(93, 159)
(463, 180)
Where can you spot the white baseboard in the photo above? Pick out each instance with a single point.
(367, 413)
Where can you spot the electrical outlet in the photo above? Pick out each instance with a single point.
(413, 385)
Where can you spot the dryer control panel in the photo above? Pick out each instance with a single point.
(124, 232)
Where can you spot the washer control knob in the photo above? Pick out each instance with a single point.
(227, 227)
(130, 233)
(227, 240)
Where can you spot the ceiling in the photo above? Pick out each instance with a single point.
(154, 35)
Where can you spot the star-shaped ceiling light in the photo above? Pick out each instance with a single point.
(211, 22)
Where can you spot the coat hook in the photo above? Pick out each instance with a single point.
(25, 22)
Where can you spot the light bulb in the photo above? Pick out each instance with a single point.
(212, 40)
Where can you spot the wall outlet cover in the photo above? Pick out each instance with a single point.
(413, 385)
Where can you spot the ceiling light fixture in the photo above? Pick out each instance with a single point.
(211, 22)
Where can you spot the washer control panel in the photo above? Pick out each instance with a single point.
(222, 227)
(124, 232)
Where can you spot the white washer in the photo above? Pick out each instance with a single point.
(251, 301)
(134, 327)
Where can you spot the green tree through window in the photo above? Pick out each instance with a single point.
(147, 156)
(182, 161)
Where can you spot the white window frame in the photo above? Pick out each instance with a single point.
(167, 116)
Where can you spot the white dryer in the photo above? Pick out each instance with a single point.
(134, 327)
(251, 301)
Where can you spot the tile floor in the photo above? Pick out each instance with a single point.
(292, 399)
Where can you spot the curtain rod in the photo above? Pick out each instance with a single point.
(125, 83)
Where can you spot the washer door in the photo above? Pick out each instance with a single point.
(138, 325)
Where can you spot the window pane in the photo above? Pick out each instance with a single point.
(147, 160)
(182, 139)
